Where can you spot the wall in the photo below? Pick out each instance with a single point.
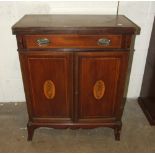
(142, 13)
(11, 87)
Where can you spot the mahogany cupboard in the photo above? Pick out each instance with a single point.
(147, 95)
(74, 69)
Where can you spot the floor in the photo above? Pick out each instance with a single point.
(136, 136)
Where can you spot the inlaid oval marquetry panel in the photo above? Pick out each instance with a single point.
(99, 89)
(49, 89)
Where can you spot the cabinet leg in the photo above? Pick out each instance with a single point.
(30, 129)
(117, 131)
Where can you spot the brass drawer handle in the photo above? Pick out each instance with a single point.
(103, 42)
(43, 41)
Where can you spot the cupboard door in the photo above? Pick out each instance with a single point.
(48, 80)
(101, 77)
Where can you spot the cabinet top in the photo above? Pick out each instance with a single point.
(79, 24)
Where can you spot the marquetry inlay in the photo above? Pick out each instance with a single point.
(99, 89)
(49, 89)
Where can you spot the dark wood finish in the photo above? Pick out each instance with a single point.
(73, 82)
(73, 41)
(77, 24)
(147, 95)
(95, 66)
(56, 67)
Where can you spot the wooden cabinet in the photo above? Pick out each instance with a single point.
(74, 70)
(147, 94)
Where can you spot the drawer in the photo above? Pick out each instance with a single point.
(73, 41)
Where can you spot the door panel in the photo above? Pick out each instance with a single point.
(50, 83)
(101, 77)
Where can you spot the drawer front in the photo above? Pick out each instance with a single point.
(73, 41)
